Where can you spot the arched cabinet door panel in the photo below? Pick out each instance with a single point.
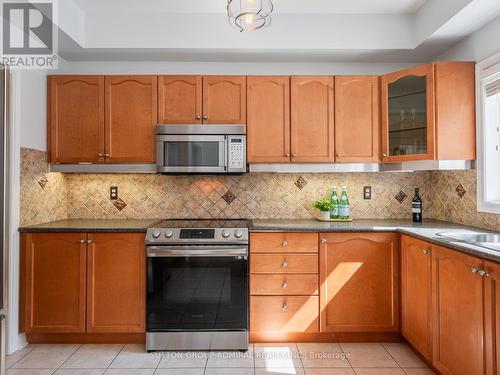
(224, 100)
(179, 99)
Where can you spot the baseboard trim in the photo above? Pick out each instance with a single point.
(86, 338)
(277, 337)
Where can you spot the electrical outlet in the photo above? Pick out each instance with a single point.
(113, 192)
(367, 192)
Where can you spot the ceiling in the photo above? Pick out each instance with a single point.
(301, 30)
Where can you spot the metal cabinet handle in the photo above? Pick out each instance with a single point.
(384, 154)
(83, 241)
(427, 251)
(285, 285)
(285, 243)
(474, 270)
(323, 240)
(338, 155)
(284, 264)
(89, 241)
(287, 154)
(205, 117)
(100, 155)
(285, 307)
(294, 154)
(107, 155)
(198, 117)
(483, 273)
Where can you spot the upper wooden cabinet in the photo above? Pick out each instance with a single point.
(116, 282)
(458, 309)
(357, 119)
(359, 278)
(179, 99)
(268, 119)
(55, 272)
(202, 99)
(75, 119)
(312, 119)
(428, 112)
(131, 116)
(416, 296)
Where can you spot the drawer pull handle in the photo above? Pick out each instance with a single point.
(83, 241)
(427, 251)
(284, 264)
(323, 241)
(285, 307)
(483, 273)
(285, 285)
(89, 241)
(285, 243)
(474, 270)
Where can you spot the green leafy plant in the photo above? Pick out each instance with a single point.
(323, 204)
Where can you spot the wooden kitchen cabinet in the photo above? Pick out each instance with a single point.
(179, 99)
(416, 294)
(357, 119)
(116, 282)
(131, 116)
(75, 119)
(359, 278)
(268, 119)
(492, 317)
(458, 313)
(312, 119)
(428, 113)
(55, 272)
(224, 99)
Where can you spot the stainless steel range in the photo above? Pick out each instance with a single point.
(197, 285)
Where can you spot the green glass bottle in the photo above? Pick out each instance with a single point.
(334, 213)
(344, 207)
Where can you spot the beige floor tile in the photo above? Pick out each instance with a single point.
(180, 371)
(46, 356)
(329, 371)
(279, 371)
(183, 359)
(134, 371)
(379, 371)
(93, 356)
(16, 356)
(318, 355)
(276, 356)
(419, 371)
(404, 355)
(134, 356)
(233, 359)
(14, 371)
(229, 371)
(80, 371)
(368, 355)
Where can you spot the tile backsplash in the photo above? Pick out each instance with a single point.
(50, 196)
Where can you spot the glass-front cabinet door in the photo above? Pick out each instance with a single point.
(408, 115)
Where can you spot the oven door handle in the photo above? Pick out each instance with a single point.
(195, 251)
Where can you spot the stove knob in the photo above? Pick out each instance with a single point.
(169, 233)
(225, 233)
(238, 233)
(156, 233)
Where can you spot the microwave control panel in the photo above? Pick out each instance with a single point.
(237, 154)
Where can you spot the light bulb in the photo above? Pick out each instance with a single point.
(249, 19)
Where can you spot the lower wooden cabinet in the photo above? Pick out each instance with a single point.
(55, 282)
(416, 296)
(492, 315)
(457, 287)
(78, 282)
(359, 282)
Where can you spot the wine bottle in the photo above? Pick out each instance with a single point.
(416, 209)
(334, 213)
(344, 207)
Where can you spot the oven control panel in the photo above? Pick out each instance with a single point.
(196, 235)
(236, 154)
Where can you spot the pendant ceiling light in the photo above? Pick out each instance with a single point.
(249, 15)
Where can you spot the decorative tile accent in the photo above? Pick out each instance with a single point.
(460, 190)
(300, 183)
(119, 204)
(229, 197)
(43, 182)
(401, 196)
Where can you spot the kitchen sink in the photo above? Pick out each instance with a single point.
(487, 240)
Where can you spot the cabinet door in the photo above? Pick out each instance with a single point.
(224, 100)
(75, 116)
(131, 117)
(458, 347)
(416, 294)
(55, 282)
(179, 99)
(408, 115)
(357, 119)
(268, 119)
(116, 288)
(312, 128)
(359, 282)
(492, 315)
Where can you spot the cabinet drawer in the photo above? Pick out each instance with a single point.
(284, 314)
(283, 263)
(284, 243)
(305, 285)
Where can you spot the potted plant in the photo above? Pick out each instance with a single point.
(325, 206)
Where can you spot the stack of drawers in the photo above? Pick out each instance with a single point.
(284, 283)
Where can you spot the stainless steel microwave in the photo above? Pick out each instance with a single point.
(201, 149)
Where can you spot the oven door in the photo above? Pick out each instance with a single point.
(191, 153)
(197, 288)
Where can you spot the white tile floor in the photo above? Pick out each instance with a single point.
(261, 359)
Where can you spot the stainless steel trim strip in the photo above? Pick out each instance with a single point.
(222, 340)
(103, 168)
(196, 251)
(217, 129)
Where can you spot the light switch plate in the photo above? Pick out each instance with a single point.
(367, 192)
(113, 192)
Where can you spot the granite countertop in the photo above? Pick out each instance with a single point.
(92, 225)
(426, 231)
